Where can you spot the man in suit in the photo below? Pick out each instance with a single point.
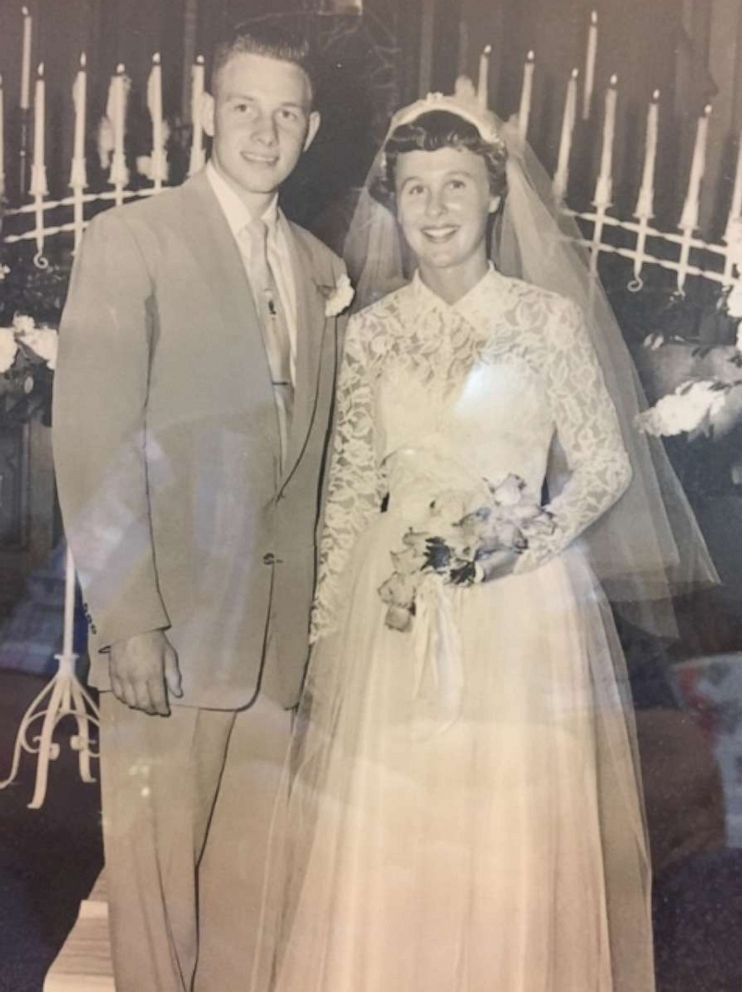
(198, 353)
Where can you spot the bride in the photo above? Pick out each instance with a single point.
(465, 808)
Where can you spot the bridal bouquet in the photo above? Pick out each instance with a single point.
(462, 551)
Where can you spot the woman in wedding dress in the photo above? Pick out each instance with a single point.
(464, 808)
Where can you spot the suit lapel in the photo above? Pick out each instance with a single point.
(311, 324)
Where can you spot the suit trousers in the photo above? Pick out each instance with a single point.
(188, 818)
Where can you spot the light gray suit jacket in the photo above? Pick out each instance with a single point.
(166, 445)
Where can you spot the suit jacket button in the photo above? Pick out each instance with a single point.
(269, 558)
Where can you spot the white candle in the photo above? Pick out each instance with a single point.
(590, 56)
(645, 203)
(116, 114)
(39, 113)
(80, 97)
(526, 95)
(689, 218)
(38, 187)
(2, 139)
(154, 104)
(26, 60)
(561, 177)
(119, 111)
(483, 78)
(78, 178)
(605, 177)
(197, 96)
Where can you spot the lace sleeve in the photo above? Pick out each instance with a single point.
(587, 429)
(356, 484)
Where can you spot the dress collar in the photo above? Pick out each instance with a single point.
(479, 298)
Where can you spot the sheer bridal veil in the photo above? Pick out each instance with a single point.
(648, 547)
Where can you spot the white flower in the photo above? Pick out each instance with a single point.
(684, 410)
(22, 323)
(341, 298)
(43, 342)
(4, 271)
(8, 348)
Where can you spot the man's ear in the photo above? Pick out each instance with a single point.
(207, 113)
(314, 122)
(494, 204)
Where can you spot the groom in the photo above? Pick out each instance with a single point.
(198, 352)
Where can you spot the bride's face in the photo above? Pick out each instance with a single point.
(443, 204)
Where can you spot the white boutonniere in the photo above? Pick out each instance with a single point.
(340, 298)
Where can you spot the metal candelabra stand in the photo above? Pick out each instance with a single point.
(64, 696)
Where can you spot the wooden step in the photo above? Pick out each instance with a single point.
(84, 963)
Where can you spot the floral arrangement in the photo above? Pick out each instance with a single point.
(709, 400)
(28, 344)
(28, 356)
(463, 549)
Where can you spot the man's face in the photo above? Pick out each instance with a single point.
(261, 120)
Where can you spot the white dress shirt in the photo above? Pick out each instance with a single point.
(279, 253)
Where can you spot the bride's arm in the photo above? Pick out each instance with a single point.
(356, 484)
(588, 430)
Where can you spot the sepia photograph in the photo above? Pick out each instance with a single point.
(370, 495)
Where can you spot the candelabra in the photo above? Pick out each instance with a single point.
(64, 696)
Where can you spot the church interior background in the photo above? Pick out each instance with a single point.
(378, 55)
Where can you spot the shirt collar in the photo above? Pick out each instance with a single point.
(235, 211)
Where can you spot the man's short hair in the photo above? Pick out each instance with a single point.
(271, 39)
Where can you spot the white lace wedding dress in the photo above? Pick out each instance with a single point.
(465, 811)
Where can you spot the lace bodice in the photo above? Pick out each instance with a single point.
(432, 395)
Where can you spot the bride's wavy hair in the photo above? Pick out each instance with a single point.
(427, 133)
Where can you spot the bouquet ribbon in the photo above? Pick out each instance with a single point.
(437, 649)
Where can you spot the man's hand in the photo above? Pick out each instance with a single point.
(144, 671)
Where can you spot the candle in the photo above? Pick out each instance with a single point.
(26, 60)
(526, 95)
(154, 105)
(483, 78)
(689, 218)
(197, 96)
(116, 114)
(2, 140)
(645, 203)
(561, 177)
(79, 99)
(590, 56)
(39, 112)
(604, 188)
